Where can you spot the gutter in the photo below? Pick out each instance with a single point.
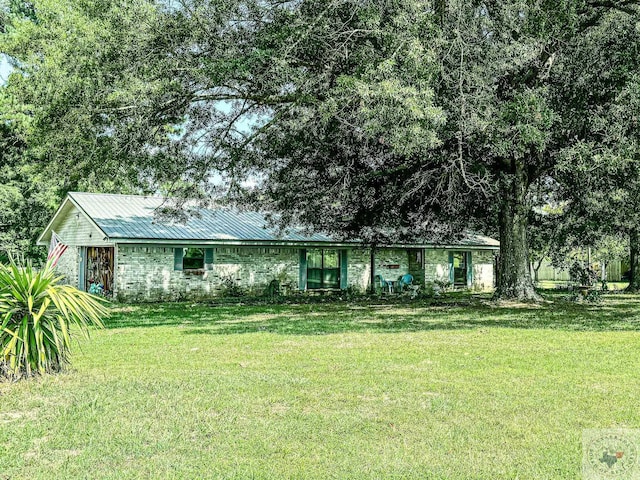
(285, 243)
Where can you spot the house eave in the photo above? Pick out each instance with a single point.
(287, 243)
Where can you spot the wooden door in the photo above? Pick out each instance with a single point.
(99, 270)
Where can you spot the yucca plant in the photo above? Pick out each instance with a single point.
(38, 317)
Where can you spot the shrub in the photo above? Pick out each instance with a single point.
(429, 290)
(589, 296)
(230, 287)
(38, 317)
(593, 296)
(582, 275)
(443, 285)
(352, 292)
(273, 289)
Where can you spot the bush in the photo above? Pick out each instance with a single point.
(230, 287)
(430, 290)
(588, 296)
(38, 316)
(352, 292)
(593, 296)
(582, 275)
(443, 285)
(273, 289)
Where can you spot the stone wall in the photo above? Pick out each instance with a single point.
(391, 263)
(254, 268)
(359, 268)
(482, 261)
(147, 273)
(69, 265)
(416, 265)
(436, 267)
(386, 259)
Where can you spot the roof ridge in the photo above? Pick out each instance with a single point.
(119, 194)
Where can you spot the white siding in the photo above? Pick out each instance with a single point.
(75, 230)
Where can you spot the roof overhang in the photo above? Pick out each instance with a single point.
(69, 201)
(298, 244)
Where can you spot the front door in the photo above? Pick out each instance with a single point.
(99, 270)
(460, 267)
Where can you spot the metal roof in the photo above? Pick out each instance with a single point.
(132, 218)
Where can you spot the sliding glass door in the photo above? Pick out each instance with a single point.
(323, 269)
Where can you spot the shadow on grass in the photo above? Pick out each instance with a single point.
(616, 313)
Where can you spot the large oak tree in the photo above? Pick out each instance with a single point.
(379, 120)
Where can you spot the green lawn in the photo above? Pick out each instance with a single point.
(330, 391)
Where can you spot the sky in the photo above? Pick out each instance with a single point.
(4, 69)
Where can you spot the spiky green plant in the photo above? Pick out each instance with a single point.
(38, 317)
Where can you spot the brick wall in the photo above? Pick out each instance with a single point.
(147, 274)
(436, 267)
(359, 268)
(68, 265)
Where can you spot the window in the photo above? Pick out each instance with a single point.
(323, 269)
(193, 258)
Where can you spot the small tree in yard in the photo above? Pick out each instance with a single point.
(37, 318)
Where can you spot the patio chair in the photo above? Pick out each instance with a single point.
(381, 284)
(406, 285)
(404, 281)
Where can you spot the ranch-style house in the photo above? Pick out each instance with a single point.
(117, 247)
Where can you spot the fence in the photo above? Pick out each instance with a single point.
(549, 273)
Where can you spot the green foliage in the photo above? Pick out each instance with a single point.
(443, 285)
(273, 289)
(62, 124)
(594, 296)
(591, 296)
(430, 290)
(373, 120)
(582, 274)
(38, 318)
(231, 288)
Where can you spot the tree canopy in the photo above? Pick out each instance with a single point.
(371, 120)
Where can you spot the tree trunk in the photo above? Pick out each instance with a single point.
(514, 279)
(634, 273)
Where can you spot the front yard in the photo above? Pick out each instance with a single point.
(330, 391)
